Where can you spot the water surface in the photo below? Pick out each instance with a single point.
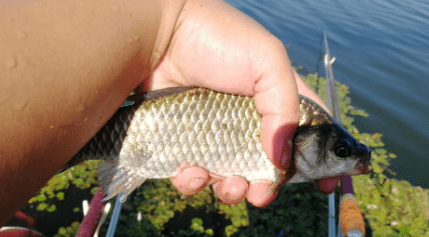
(382, 51)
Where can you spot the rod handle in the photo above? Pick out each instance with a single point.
(350, 215)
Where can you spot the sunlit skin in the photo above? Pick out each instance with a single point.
(68, 65)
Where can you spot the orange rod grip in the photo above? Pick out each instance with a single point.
(351, 216)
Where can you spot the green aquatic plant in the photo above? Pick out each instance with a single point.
(82, 176)
(69, 231)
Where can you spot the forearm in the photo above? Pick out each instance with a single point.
(65, 67)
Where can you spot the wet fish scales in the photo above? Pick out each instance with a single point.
(163, 129)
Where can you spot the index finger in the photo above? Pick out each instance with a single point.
(276, 98)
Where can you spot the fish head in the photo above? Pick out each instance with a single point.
(328, 150)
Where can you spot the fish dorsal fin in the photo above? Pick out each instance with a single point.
(312, 113)
(116, 178)
(145, 96)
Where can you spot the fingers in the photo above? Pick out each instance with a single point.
(232, 190)
(191, 180)
(276, 99)
(260, 195)
(327, 186)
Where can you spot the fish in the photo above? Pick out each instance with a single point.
(156, 133)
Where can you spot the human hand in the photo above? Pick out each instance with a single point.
(217, 47)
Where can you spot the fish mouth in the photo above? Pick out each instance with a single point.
(362, 167)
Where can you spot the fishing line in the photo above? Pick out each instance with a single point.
(319, 59)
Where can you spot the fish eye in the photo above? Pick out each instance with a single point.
(342, 148)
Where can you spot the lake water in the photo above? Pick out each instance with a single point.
(382, 51)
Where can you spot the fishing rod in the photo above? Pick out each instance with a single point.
(115, 216)
(94, 217)
(351, 220)
(332, 100)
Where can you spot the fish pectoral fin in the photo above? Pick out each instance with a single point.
(116, 178)
(299, 178)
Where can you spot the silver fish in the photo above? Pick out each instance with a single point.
(161, 130)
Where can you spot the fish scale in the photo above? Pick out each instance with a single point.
(163, 162)
(165, 129)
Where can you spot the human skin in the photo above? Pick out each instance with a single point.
(67, 65)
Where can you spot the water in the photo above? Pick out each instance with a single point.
(382, 51)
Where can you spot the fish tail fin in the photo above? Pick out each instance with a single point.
(116, 178)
